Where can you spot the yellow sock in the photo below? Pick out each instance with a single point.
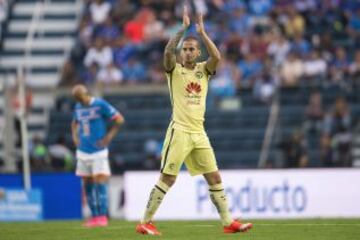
(218, 198)
(156, 196)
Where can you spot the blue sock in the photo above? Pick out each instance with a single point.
(102, 191)
(91, 198)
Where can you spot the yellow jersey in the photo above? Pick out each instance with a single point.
(188, 90)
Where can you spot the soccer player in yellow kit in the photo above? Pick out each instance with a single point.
(186, 139)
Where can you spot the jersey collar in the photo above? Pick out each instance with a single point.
(196, 64)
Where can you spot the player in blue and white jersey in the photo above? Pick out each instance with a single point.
(91, 137)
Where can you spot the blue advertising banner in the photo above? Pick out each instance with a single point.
(61, 193)
(20, 205)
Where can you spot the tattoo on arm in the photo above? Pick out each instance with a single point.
(170, 50)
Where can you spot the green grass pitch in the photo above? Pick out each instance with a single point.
(316, 229)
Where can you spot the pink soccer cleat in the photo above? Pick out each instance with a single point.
(237, 226)
(102, 221)
(91, 222)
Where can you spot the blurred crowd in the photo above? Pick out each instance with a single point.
(264, 43)
(326, 131)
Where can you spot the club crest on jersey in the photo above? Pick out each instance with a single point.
(199, 74)
(193, 88)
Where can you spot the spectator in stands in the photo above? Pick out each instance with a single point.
(336, 149)
(109, 76)
(200, 7)
(354, 23)
(325, 45)
(314, 113)
(278, 48)
(123, 11)
(294, 151)
(153, 29)
(225, 81)
(300, 45)
(108, 31)
(230, 5)
(233, 47)
(85, 32)
(39, 157)
(315, 67)
(240, 22)
(154, 37)
(354, 69)
(341, 142)
(295, 23)
(339, 67)
(304, 6)
(99, 54)
(122, 51)
(61, 157)
(172, 26)
(291, 70)
(354, 27)
(249, 68)
(339, 118)
(256, 44)
(194, 6)
(134, 71)
(337, 126)
(134, 29)
(264, 87)
(350, 6)
(99, 10)
(260, 8)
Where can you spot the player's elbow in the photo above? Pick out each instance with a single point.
(217, 57)
(119, 119)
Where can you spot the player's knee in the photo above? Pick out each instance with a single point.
(213, 178)
(216, 179)
(168, 179)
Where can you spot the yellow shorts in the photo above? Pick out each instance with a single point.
(192, 148)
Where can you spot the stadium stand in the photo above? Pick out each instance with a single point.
(52, 41)
(266, 45)
(54, 25)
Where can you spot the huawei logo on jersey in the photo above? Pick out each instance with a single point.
(193, 88)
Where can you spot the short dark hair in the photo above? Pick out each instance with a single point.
(192, 38)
